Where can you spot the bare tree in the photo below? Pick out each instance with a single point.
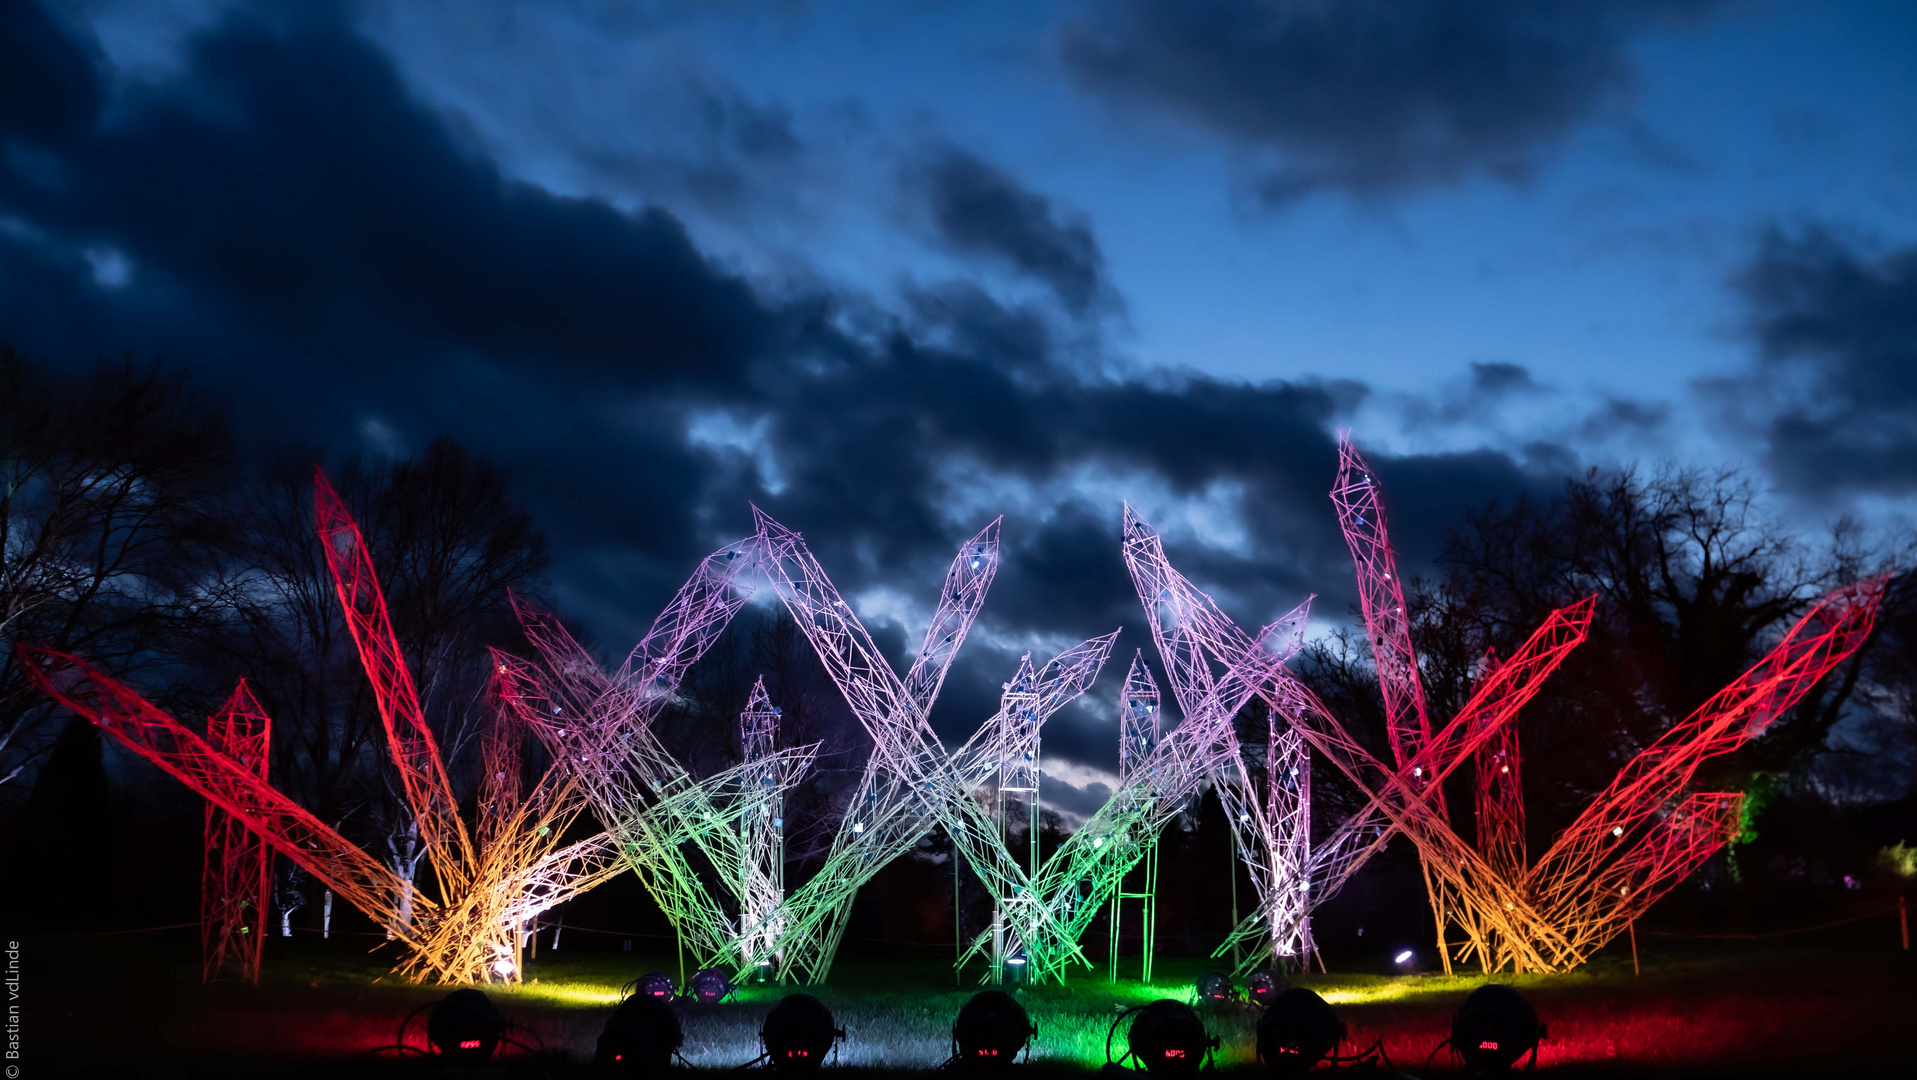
(115, 492)
(449, 543)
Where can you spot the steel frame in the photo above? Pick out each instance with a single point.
(598, 726)
(1624, 852)
(469, 931)
(910, 783)
(236, 881)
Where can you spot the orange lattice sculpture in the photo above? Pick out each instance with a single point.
(1637, 839)
(490, 881)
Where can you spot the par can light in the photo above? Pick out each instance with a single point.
(1215, 988)
(1297, 1029)
(465, 1027)
(1261, 987)
(654, 984)
(798, 1032)
(1495, 1028)
(639, 1038)
(990, 1031)
(709, 986)
(1166, 1037)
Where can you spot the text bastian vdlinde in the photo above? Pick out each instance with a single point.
(13, 1009)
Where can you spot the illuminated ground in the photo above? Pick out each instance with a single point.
(1810, 1010)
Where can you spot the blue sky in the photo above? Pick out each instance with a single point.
(891, 269)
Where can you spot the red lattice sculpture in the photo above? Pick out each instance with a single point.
(486, 890)
(237, 875)
(1637, 840)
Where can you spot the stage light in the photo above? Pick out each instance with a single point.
(1166, 1036)
(465, 1027)
(656, 984)
(1296, 1031)
(1495, 1028)
(798, 1032)
(990, 1031)
(709, 986)
(640, 1037)
(1262, 986)
(1215, 988)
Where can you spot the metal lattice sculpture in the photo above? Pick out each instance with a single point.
(910, 784)
(1007, 746)
(599, 728)
(238, 867)
(762, 827)
(1090, 866)
(1630, 847)
(486, 891)
(1139, 717)
(1267, 802)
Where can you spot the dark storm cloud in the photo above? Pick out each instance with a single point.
(1367, 96)
(49, 87)
(329, 255)
(294, 185)
(1835, 394)
(977, 209)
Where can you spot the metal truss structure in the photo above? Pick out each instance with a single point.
(486, 890)
(1139, 717)
(599, 729)
(762, 828)
(910, 783)
(238, 868)
(1266, 796)
(1631, 846)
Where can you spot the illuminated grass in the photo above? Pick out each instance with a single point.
(1732, 1008)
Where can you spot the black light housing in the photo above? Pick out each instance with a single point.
(1297, 1029)
(1262, 987)
(1169, 1038)
(709, 986)
(465, 1027)
(656, 984)
(990, 1031)
(1215, 988)
(798, 1032)
(1495, 1028)
(640, 1037)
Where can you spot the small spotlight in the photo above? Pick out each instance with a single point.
(1262, 986)
(1404, 957)
(798, 1032)
(1167, 1037)
(655, 984)
(990, 1031)
(465, 1027)
(709, 986)
(1495, 1028)
(640, 1037)
(1215, 988)
(1296, 1031)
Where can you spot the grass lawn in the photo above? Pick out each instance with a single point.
(1718, 1008)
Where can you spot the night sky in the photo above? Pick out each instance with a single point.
(889, 269)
